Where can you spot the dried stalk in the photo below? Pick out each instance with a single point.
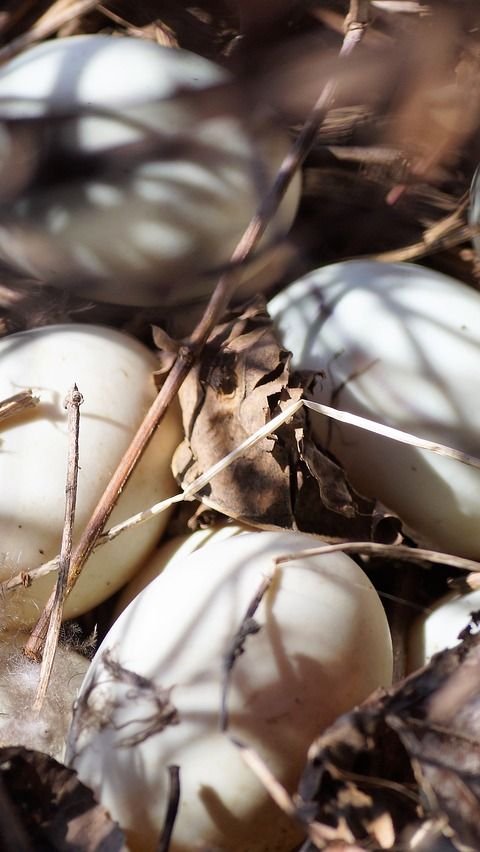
(355, 27)
(72, 404)
(395, 434)
(172, 808)
(266, 777)
(397, 551)
(17, 403)
(46, 26)
(248, 627)
(448, 232)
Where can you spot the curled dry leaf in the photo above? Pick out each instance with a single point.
(403, 770)
(285, 480)
(45, 808)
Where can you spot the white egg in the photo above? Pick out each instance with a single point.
(113, 371)
(172, 550)
(439, 627)
(19, 725)
(399, 344)
(323, 646)
(135, 191)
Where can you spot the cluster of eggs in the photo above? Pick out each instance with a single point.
(152, 193)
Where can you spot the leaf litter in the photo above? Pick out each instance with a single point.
(284, 481)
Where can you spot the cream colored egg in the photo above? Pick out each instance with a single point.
(113, 371)
(323, 646)
(399, 344)
(174, 549)
(19, 725)
(439, 627)
(155, 178)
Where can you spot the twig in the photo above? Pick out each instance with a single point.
(446, 233)
(17, 403)
(48, 24)
(172, 809)
(396, 434)
(191, 350)
(72, 404)
(398, 551)
(260, 769)
(248, 627)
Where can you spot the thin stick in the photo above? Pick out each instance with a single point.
(396, 434)
(48, 24)
(258, 766)
(172, 808)
(399, 551)
(72, 404)
(248, 627)
(356, 24)
(17, 403)
(108, 499)
(448, 232)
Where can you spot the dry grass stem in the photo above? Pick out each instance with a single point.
(278, 793)
(450, 231)
(17, 403)
(172, 809)
(57, 16)
(247, 628)
(397, 551)
(72, 404)
(394, 434)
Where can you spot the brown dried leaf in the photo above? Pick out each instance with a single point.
(285, 481)
(406, 763)
(45, 808)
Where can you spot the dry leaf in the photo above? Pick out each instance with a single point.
(45, 808)
(285, 481)
(405, 766)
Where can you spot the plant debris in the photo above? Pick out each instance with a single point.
(241, 382)
(406, 765)
(45, 808)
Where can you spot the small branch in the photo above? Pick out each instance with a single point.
(108, 499)
(17, 403)
(172, 809)
(214, 310)
(266, 777)
(395, 434)
(46, 26)
(248, 627)
(72, 404)
(397, 551)
(448, 232)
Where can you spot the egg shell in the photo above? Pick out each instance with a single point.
(399, 344)
(172, 550)
(153, 190)
(113, 371)
(45, 731)
(323, 646)
(439, 627)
